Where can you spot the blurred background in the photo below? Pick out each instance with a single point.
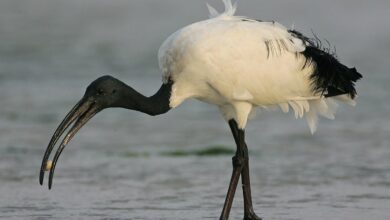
(125, 165)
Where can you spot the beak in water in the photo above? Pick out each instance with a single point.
(81, 113)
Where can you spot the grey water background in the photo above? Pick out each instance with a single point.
(125, 165)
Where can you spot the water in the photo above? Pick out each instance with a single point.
(122, 164)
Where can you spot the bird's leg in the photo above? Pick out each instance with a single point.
(239, 137)
(249, 213)
(238, 164)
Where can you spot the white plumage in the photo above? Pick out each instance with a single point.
(227, 61)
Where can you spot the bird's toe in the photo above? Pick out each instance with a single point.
(252, 216)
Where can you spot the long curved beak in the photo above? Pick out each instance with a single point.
(80, 114)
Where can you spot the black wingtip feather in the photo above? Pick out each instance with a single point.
(330, 77)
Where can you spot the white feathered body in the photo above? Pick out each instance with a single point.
(227, 61)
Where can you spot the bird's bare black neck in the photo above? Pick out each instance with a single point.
(154, 105)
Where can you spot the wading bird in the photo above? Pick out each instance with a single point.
(237, 64)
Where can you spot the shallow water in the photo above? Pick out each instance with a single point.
(124, 165)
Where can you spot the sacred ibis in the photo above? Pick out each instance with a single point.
(237, 64)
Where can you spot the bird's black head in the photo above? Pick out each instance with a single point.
(105, 92)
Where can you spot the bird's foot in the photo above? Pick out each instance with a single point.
(252, 216)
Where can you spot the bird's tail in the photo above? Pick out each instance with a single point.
(325, 107)
(319, 106)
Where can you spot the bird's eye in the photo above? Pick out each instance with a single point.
(100, 92)
(113, 91)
